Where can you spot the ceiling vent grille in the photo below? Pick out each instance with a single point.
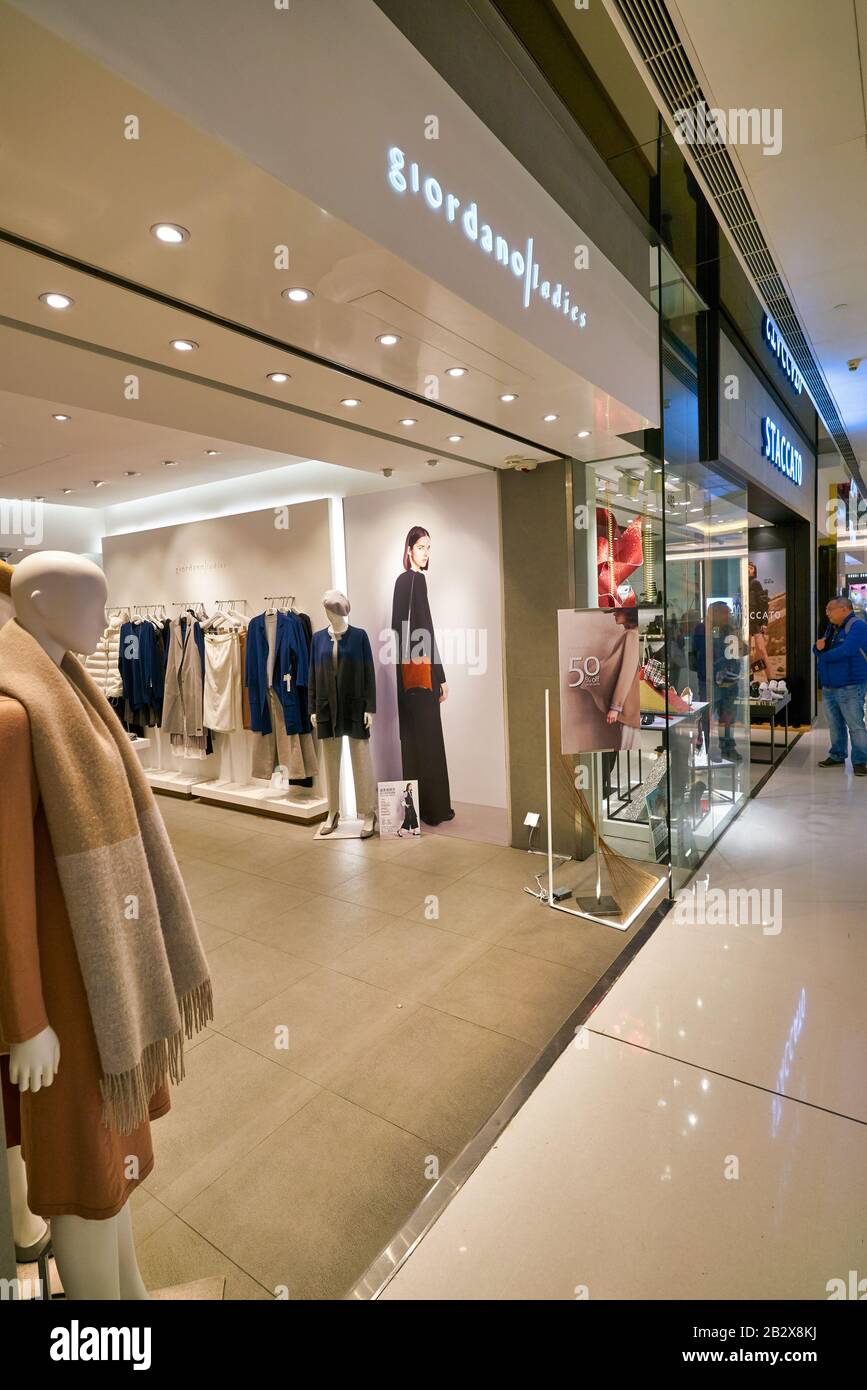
(652, 32)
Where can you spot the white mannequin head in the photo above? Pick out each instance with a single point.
(59, 598)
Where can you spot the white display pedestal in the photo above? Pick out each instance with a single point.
(301, 804)
(178, 783)
(166, 779)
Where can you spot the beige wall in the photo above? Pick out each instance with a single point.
(536, 582)
(242, 556)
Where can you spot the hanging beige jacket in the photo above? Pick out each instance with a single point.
(183, 700)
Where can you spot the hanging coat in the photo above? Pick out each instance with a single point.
(290, 672)
(183, 697)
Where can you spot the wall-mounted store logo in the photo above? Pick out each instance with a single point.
(408, 178)
(781, 451)
(782, 354)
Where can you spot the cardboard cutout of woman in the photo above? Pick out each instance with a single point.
(421, 683)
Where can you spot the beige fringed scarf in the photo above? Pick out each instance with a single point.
(142, 964)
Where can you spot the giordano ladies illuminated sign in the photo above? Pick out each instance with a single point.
(782, 354)
(781, 452)
(409, 178)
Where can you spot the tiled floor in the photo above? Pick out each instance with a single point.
(710, 1139)
(375, 1002)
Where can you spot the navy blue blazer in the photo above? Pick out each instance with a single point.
(292, 659)
(142, 663)
(340, 701)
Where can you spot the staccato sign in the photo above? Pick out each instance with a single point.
(781, 451)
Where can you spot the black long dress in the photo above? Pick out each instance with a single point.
(410, 819)
(422, 748)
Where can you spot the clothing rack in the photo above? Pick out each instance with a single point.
(279, 600)
(220, 601)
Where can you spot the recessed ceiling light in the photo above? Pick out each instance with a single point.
(583, 434)
(388, 339)
(408, 422)
(278, 377)
(212, 453)
(170, 463)
(696, 509)
(61, 418)
(508, 396)
(131, 473)
(549, 419)
(350, 401)
(39, 499)
(183, 345)
(21, 550)
(456, 371)
(55, 300)
(455, 438)
(170, 233)
(298, 294)
(97, 482)
(66, 491)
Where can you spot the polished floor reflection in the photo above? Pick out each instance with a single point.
(707, 1136)
(359, 1041)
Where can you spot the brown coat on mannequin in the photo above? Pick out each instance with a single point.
(75, 1166)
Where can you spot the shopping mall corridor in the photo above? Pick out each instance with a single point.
(707, 1136)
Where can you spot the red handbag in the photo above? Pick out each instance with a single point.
(417, 673)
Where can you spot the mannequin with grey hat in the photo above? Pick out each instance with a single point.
(342, 701)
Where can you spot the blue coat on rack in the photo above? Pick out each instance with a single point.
(291, 659)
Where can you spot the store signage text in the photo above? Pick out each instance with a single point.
(782, 354)
(781, 451)
(585, 669)
(408, 178)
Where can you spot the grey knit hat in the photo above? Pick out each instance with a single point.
(336, 602)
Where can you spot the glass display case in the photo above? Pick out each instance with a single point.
(671, 542)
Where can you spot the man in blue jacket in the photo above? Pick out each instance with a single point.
(842, 662)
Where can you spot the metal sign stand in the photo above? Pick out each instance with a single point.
(589, 909)
(600, 904)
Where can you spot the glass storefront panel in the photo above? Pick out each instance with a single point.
(708, 656)
(626, 574)
(704, 664)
